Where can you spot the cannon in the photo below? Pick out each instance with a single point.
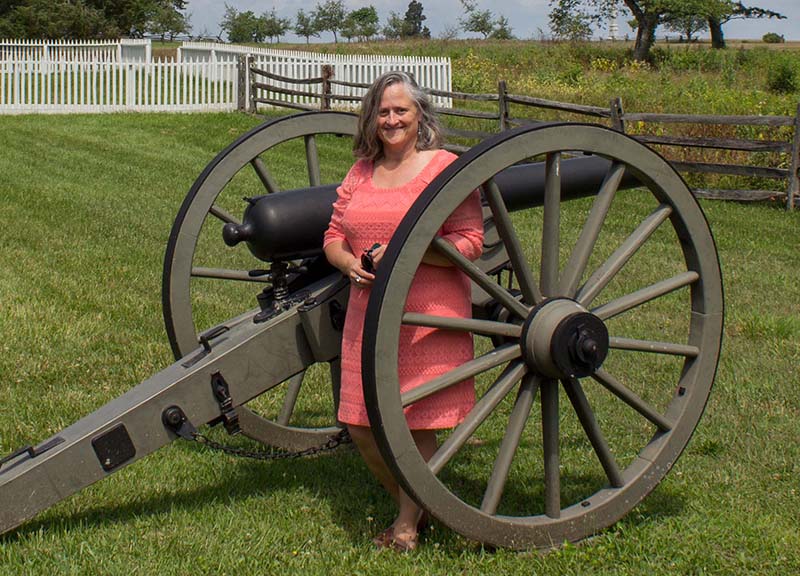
(597, 320)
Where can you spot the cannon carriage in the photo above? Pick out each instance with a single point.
(593, 367)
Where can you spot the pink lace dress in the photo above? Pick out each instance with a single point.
(364, 214)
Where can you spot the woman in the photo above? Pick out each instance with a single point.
(398, 150)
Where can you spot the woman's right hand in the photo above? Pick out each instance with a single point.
(341, 256)
(359, 277)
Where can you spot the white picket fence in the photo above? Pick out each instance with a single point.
(64, 77)
(37, 86)
(123, 50)
(430, 72)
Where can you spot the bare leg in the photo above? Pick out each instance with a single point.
(405, 525)
(365, 442)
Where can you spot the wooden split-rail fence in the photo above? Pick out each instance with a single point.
(781, 156)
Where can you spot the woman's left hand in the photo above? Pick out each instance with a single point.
(377, 255)
(362, 271)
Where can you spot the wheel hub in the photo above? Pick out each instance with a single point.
(561, 339)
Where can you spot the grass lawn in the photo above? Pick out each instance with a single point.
(87, 205)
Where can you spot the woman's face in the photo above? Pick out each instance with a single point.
(398, 118)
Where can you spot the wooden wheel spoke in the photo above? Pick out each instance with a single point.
(482, 409)
(510, 443)
(263, 174)
(516, 254)
(551, 224)
(312, 160)
(579, 258)
(592, 429)
(503, 296)
(192, 275)
(621, 255)
(550, 443)
(469, 369)
(484, 327)
(654, 347)
(290, 400)
(221, 214)
(632, 400)
(574, 496)
(630, 301)
(225, 274)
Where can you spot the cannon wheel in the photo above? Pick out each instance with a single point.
(181, 268)
(566, 470)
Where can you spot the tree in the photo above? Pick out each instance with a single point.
(647, 14)
(502, 30)
(54, 19)
(364, 22)
(304, 26)
(330, 17)
(242, 27)
(134, 17)
(167, 22)
(449, 32)
(479, 21)
(91, 18)
(569, 22)
(8, 6)
(408, 26)
(723, 11)
(349, 28)
(483, 22)
(395, 26)
(687, 25)
(273, 26)
(412, 22)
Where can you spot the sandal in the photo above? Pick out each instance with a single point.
(386, 539)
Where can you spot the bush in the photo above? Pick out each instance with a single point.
(773, 38)
(782, 77)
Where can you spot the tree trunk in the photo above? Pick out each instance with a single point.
(645, 36)
(717, 38)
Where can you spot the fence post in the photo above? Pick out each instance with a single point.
(327, 74)
(251, 84)
(241, 85)
(502, 104)
(617, 114)
(793, 189)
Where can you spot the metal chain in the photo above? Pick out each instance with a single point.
(333, 442)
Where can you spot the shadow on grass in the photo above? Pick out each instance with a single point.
(338, 478)
(358, 504)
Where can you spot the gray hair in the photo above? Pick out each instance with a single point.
(367, 144)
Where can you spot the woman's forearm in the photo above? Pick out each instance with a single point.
(340, 255)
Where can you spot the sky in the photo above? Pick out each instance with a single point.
(528, 18)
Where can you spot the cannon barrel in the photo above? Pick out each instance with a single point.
(290, 225)
(544, 332)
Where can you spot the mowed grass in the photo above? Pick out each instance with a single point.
(87, 205)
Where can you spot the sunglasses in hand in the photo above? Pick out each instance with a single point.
(366, 259)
